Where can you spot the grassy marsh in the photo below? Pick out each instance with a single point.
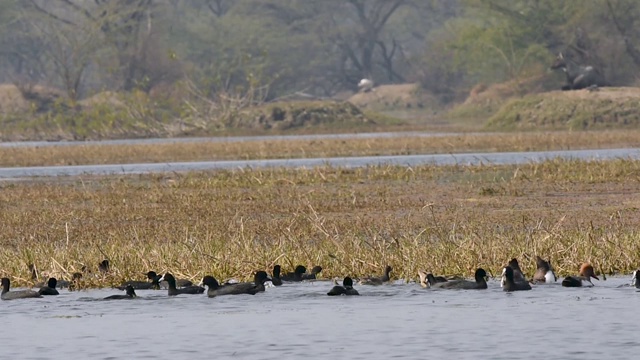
(447, 220)
(142, 153)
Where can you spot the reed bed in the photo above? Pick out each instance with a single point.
(145, 153)
(447, 220)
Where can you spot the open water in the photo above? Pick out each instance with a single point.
(298, 321)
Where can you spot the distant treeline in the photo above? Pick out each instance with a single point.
(255, 50)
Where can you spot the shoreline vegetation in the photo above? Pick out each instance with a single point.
(400, 107)
(97, 154)
(444, 219)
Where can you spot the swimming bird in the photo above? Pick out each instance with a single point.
(314, 272)
(510, 284)
(544, 272)
(50, 289)
(517, 272)
(296, 275)
(143, 285)
(184, 290)
(215, 289)
(131, 293)
(480, 283)
(345, 289)
(60, 284)
(586, 273)
(427, 280)
(377, 280)
(635, 279)
(12, 295)
(180, 283)
(275, 278)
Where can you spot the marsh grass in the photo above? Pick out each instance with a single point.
(447, 220)
(269, 149)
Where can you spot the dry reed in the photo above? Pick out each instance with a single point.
(266, 149)
(448, 220)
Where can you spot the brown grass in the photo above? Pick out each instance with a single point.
(113, 154)
(448, 220)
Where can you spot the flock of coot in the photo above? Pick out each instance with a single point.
(512, 280)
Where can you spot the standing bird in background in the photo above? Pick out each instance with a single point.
(365, 85)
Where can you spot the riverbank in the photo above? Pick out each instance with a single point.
(446, 219)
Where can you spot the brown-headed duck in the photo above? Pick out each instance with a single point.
(586, 273)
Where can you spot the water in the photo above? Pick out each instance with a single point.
(298, 321)
(403, 160)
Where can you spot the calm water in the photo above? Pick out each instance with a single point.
(299, 321)
(403, 160)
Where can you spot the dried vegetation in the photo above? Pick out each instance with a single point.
(448, 220)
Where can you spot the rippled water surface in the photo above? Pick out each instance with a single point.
(298, 321)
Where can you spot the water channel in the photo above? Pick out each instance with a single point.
(403, 160)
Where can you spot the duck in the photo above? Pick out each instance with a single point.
(131, 293)
(377, 280)
(345, 289)
(173, 290)
(50, 288)
(296, 275)
(518, 277)
(510, 283)
(586, 273)
(251, 288)
(480, 283)
(13, 295)
(314, 273)
(275, 278)
(544, 272)
(427, 280)
(635, 279)
(143, 285)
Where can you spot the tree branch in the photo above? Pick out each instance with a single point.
(47, 13)
(79, 9)
(631, 49)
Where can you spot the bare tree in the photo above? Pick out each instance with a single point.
(361, 44)
(126, 25)
(623, 15)
(70, 49)
(219, 8)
